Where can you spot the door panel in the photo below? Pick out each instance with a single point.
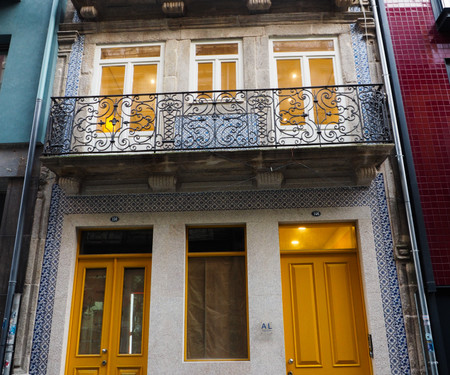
(129, 371)
(324, 318)
(87, 371)
(109, 323)
(344, 343)
(306, 330)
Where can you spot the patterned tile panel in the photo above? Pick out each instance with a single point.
(373, 197)
(74, 69)
(360, 55)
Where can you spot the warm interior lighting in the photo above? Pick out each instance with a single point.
(308, 237)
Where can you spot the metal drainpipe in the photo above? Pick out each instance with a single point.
(27, 178)
(428, 342)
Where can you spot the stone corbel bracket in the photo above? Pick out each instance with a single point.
(269, 180)
(89, 12)
(65, 42)
(258, 6)
(402, 251)
(173, 8)
(162, 183)
(70, 185)
(345, 3)
(367, 26)
(365, 175)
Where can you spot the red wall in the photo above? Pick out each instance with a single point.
(419, 52)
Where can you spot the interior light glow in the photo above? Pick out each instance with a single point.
(152, 81)
(295, 242)
(301, 228)
(294, 75)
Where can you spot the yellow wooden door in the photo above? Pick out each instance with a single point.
(109, 321)
(324, 317)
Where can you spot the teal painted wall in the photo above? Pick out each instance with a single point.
(27, 23)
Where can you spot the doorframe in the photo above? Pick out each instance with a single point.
(316, 253)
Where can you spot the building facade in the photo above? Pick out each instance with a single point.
(421, 44)
(220, 196)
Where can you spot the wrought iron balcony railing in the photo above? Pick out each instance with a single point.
(291, 117)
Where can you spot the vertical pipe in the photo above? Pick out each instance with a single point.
(12, 330)
(27, 178)
(428, 342)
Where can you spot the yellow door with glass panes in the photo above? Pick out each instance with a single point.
(109, 321)
(324, 317)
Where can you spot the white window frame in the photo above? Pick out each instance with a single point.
(216, 60)
(129, 63)
(304, 57)
(291, 131)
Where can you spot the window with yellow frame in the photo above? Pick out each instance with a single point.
(216, 302)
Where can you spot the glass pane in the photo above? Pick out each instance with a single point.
(113, 78)
(322, 74)
(2, 63)
(112, 84)
(144, 78)
(290, 105)
(216, 308)
(92, 311)
(216, 49)
(220, 239)
(317, 237)
(289, 73)
(132, 311)
(130, 52)
(205, 76)
(303, 45)
(116, 241)
(228, 72)
(143, 109)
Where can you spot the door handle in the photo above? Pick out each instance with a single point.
(104, 351)
(104, 363)
(291, 361)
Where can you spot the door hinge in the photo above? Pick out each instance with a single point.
(369, 338)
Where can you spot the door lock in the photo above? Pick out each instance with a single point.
(290, 373)
(104, 363)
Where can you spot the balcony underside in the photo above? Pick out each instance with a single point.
(341, 165)
(113, 10)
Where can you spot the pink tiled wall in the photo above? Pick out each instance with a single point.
(420, 52)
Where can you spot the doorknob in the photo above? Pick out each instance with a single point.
(104, 351)
(291, 361)
(103, 363)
